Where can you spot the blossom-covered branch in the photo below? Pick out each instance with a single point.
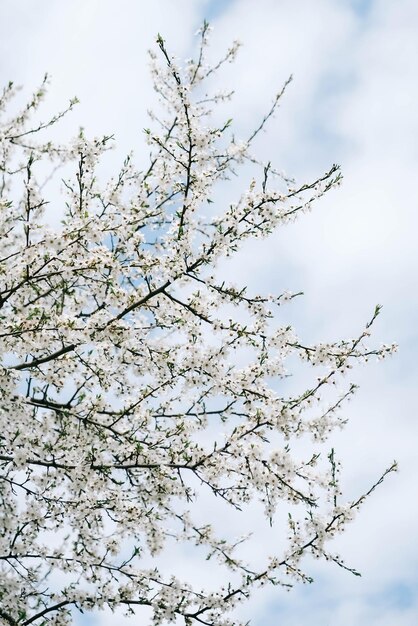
(135, 381)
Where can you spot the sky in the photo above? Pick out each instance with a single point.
(352, 101)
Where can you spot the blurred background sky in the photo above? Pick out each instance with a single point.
(353, 101)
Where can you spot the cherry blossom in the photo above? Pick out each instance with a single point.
(134, 380)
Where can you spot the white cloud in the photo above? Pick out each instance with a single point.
(356, 249)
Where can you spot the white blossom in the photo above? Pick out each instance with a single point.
(131, 373)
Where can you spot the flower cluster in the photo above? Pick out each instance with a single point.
(130, 374)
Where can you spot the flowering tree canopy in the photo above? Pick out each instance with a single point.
(136, 382)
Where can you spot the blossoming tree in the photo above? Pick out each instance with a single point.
(134, 381)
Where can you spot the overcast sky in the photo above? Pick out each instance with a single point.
(353, 101)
